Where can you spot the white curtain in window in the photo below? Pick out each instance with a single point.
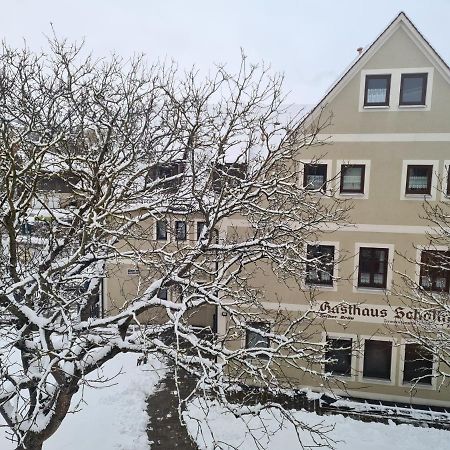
(352, 178)
(376, 95)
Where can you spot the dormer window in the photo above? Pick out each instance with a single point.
(377, 90)
(413, 89)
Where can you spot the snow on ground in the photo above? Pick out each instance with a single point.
(350, 434)
(113, 418)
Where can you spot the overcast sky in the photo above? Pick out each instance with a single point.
(311, 42)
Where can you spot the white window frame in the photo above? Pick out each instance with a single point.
(445, 180)
(366, 380)
(354, 358)
(394, 95)
(434, 370)
(322, 287)
(389, 274)
(434, 177)
(353, 195)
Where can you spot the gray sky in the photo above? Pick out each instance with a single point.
(310, 41)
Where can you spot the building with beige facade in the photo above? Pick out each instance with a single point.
(387, 151)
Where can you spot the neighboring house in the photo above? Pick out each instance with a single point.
(389, 151)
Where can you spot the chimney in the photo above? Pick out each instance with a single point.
(359, 50)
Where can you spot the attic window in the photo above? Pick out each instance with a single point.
(376, 92)
(413, 89)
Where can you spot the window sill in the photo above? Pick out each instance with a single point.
(369, 290)
(326, 287)
(427, 387)
(418, 197)
(377, 381)
(343, 378)
(355, 195)
(412, 106)
(376, 107)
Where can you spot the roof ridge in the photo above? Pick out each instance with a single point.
(401, 16)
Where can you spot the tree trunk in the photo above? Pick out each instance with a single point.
(32, 442)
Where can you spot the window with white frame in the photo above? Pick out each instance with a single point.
(373, 267)
(352, 178)
(396, 89)
(413, 89)
(338, 356)
(377, 90)
(315, 177)
(418, 179)
(320, 265)
(418, 364)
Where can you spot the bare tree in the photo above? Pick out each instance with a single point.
(427, 298)
(92, 154)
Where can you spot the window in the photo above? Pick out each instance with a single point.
(418, 179)
(180, 230)
(200, 227)
(418, 366)
(377, 89)
(161, 230)
(255, 339)
(372, 269)
(315, 176)
(162, 293)
(413, 88)
(319, 269)
(26, 228)
(352, 178)
(435, 270)
(339, 356)
(377, 359)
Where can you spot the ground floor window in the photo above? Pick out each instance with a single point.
(180, 230)
(377, 359)
(339, 356)
(256, 340)
(161, 230)
(418, 367)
